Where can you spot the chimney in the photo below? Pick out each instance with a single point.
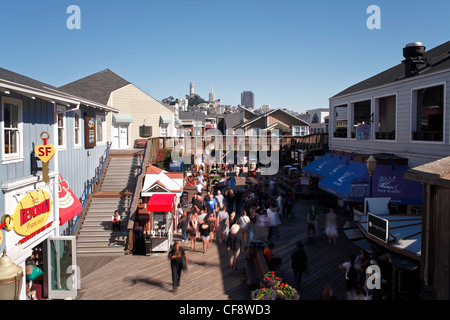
(414, 59)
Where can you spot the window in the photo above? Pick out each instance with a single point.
(163, 129)
(361, 114)
(386, 118)
(428, 114)
(297, 130)
(77, 130)
(100, 128)
(340, 130)
(61, 129)
(12, 128)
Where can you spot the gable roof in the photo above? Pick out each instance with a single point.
(245, 124)
(96, 87)
(31, 87)
(439, 60)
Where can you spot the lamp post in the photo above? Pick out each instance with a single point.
(371, 164)
(10, 279)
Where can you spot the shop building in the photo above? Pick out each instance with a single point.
(35, 213)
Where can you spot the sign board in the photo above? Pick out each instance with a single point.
(378, 227)
(359, 188)
(363, 132)
(89, 132)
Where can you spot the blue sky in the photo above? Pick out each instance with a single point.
(291, 54)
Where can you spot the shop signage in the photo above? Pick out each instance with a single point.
(48, 225)
(359, 188)
(363, 132)
(31, 214)
(378, 227)
(89, 132)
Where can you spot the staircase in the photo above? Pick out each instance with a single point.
(96, 236)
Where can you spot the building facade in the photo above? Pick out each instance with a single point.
(248, 99)
(35, 211)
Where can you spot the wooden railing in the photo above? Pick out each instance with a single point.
(131, 215)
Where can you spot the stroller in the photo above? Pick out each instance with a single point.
(311, 232)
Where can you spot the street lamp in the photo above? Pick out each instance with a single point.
(371, 164)
(10, 279)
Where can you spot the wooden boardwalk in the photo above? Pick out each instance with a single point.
(209, 277)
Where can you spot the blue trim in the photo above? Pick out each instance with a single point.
(90, 186)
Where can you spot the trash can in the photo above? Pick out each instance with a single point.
(253, 246)
(148, 245)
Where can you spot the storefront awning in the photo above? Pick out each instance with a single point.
(122, 118)
(69, 205)
(326, 166)
(165, 119)
(161, 203)
(350, 183)
(388, 181)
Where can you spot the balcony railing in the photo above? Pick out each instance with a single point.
(428, 136)
(385, 135)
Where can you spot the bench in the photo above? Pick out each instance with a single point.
(141, 143)
(255, 267)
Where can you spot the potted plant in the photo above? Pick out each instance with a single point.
(272, 288)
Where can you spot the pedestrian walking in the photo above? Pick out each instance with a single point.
(234, 245)
(351, 275)
(192, 229)
(299, 263)
(178, 262)
(274, 223)
(312, 218)
(205, 231)
(331, 226)
(183, 223)
(244, 224)
(223, 225)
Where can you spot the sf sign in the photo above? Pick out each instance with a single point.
(45, 152)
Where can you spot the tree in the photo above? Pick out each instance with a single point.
(170, 100)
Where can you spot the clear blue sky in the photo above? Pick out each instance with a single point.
(294, 54)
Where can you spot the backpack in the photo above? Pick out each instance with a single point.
(352, 275)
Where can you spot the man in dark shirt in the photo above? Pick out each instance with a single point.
(197, 203)
(176, 257)
(299, 262)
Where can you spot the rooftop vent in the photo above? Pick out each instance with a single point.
(414, 58)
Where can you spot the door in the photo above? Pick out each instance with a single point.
(120, 136)
(63, 276)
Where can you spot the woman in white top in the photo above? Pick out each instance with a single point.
(244, 223)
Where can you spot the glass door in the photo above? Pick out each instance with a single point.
(63, 276)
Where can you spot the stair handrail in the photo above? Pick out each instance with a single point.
(135, 197)
(90, 187)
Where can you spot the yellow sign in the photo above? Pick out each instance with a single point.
(45, 152)
(31, 213)
(1, 236)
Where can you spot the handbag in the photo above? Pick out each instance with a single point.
(183, 262)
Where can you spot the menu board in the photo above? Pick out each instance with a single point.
(89, 132)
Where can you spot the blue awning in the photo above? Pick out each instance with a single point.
(326, 166)
(350, 183)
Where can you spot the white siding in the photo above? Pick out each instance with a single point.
(418, 152)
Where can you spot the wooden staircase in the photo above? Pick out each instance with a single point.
(115, 193)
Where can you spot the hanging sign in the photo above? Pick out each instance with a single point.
(363, 132)
(30, 214)
(45, 152)
(89, 132)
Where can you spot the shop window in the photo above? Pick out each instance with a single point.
(163, 130)
(386, 116)
(145, 131)
(428, 114)
(12, 128)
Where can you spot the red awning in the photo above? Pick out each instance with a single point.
(69, 205)
(161, 202)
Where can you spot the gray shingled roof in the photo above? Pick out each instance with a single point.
(96, 87)
(21, 79)
(13, 77)
(439, 60)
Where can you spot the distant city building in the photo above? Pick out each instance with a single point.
(191, 90)
(248, 99)
(211, 95)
